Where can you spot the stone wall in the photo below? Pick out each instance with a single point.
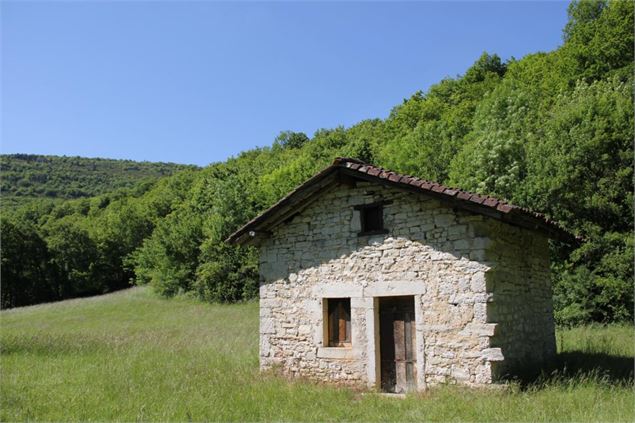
(452, 262)
(522, 304)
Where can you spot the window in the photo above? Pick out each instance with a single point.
(339, 322)
(371, 219)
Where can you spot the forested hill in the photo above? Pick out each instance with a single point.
(552, 131)
(27, 176)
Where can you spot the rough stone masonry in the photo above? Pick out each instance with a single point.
(481, 288)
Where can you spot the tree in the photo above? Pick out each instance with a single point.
(494, 159)
(26, 278)
(290, 139)
(581, 174)
(167, 260)
(73, 257)
(599, 39)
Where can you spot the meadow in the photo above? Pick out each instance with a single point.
(133, 356)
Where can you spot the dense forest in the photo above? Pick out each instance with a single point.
(29, 176)
(551, 131)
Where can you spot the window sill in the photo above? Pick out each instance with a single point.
(370, 233)
(338, 353)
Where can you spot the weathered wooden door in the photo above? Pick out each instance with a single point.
(397, 344)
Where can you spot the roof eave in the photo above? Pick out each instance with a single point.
(253, 232)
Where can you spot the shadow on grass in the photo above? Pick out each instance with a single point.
(615, 369)
(574, 367)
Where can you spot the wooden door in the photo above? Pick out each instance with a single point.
(397, 344)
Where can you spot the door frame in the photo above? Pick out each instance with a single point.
(375, 345)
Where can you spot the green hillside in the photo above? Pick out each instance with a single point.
(27, 176)
(132, 356)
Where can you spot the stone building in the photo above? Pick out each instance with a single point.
(383, 280)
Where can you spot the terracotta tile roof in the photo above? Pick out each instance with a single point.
(424, 185)
(490, 206)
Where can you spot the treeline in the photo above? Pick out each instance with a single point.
(551, 131)
(52, 251)
(27, 176)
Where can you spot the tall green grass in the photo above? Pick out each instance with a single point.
(131, 356)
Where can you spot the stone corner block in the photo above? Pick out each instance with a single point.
(492, 354)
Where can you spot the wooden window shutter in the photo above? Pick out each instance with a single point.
(339, 321)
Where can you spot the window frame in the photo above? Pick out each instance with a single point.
(337, 316)
(363, 209)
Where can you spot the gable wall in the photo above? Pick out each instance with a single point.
(441, 256)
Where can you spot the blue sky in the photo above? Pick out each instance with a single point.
(197, 82)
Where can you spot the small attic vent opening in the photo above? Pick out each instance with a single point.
(372, 219)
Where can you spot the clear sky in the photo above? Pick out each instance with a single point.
(197, 82)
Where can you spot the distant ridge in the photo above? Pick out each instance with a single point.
(27, 176)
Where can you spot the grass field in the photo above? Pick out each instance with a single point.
(134, 357)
